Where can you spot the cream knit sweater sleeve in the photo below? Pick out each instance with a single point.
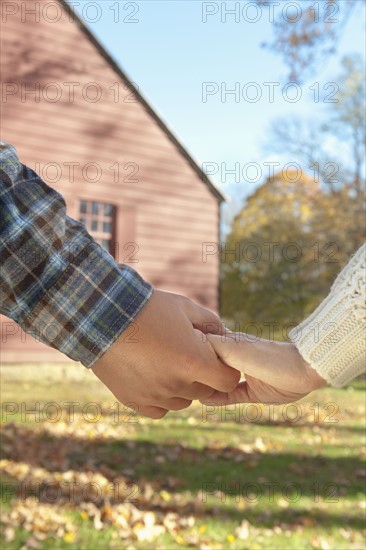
(333, 339)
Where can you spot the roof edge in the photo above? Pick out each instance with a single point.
(123, 76)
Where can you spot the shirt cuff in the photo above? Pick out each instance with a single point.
(90, 304)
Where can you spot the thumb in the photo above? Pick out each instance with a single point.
(204, 319)
(229, 348)
(239, 395)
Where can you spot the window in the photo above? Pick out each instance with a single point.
(99, 220)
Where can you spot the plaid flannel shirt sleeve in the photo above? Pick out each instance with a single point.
(56, 282)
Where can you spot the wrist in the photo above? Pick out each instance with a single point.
(312, 377)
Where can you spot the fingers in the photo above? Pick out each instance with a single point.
(238, 395)
(253, 391)
(217, 375)
(230, 348)
(152, 412)
(207, 368)
(203, 319)
(271, 363)
(197, 391)
(175, 403)
(172, 404)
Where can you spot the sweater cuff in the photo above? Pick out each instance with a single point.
(332, 340)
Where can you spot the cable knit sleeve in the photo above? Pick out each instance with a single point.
(333, 339)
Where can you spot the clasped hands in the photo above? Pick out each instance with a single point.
(176, 351)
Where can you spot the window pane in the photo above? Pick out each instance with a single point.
(108, 209)
(98, 217)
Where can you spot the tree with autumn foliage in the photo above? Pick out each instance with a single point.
(269, 252)
(285, 248)
(297, 231)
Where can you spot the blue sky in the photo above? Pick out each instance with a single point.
(170, 52)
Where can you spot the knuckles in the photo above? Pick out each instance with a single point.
(187, 368)
(172, 388)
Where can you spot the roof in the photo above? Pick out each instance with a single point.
(127, 81)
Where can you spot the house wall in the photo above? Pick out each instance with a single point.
(74, 121)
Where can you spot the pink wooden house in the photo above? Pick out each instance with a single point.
(75, 118)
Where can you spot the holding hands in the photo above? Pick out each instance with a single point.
(165, 359)
(157, 351)
(176, 351)
(162, 361)
(274, 372)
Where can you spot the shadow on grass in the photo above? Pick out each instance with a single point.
(228, 470)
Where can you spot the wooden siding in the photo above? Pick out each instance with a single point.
(169, 212)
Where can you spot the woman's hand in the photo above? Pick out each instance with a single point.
(274, 372)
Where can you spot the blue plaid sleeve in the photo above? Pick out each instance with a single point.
(56, 282)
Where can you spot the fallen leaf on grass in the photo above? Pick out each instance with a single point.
(42, 520)
(242, 532)
(318, 542)
(9, 534)
(69, 537)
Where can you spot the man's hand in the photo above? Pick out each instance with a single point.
(274, 372)
(163, 361)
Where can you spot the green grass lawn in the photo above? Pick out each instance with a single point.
(93, 476)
